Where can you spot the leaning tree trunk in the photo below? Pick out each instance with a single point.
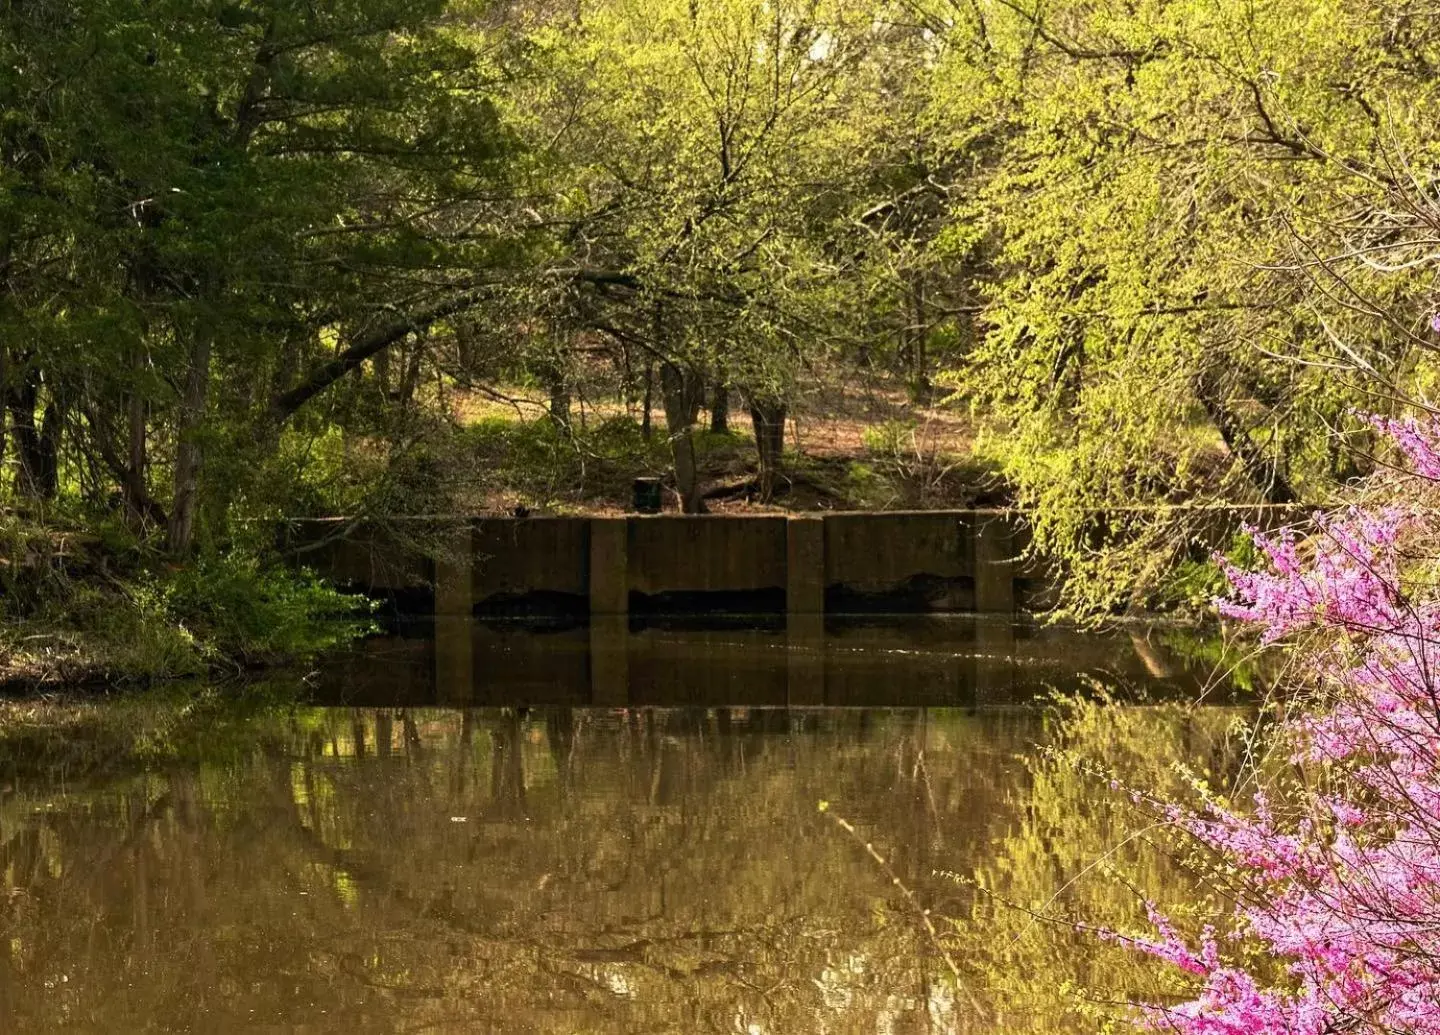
(767, 415)
(683, 390)
(1263, 471)
(188, 453)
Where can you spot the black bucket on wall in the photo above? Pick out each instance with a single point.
(646, 495)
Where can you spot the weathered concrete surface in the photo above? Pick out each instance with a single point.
(364, 556)
(609, 566)
(993, 563)
(805, 564)
(908, 561)
(515, 557)
(706, 554)
(454, 573)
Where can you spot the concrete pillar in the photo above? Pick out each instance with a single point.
(609, 661)
(994, 563)
(609, 566)
(805, 610)
(805, 565)
(454, 619)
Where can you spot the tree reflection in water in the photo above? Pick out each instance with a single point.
(174, 865)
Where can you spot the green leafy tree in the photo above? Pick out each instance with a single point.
(1198, 222)
(215, 213)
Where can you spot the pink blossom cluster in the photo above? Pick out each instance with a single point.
(1349, 578)
(1338, 890)
(1414, 438)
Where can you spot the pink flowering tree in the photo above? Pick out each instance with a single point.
(1335, 874)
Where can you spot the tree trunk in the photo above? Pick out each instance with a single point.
(47, 466)
(284, 405)
(137, 500)
(1263, 471)
(381, 363)
(648, 401)
(720, 409)
(683, 391)
(188, 454)
(920, 389)
(4, 394)
(410, 376)
(21, 398)
(767, 416)
(559, 407)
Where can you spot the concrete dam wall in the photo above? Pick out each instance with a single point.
(837, 563)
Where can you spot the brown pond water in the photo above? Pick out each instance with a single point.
(557, 844)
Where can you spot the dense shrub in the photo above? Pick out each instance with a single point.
(248, 610)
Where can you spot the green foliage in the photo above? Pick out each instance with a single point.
(239, 607)
(253, 251)
(226, 199)
(1195, 583)
(890, 438)
(864, 484)
(541, 464)
(1152, 190)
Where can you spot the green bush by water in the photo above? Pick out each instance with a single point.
(108, 606)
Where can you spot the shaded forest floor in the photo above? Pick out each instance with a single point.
(845, 449)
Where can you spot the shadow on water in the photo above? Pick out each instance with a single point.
(596, 829)
(754, 661)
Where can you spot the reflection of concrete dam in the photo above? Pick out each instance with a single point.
(914, 561)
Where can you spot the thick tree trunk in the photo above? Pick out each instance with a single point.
(37, 445)
(683, 390)
(767, 415)
(188, 454)
(559, 403)
(47, 465)
(720, 409)
(559, 407)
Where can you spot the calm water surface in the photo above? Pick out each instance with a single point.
(489, 829)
